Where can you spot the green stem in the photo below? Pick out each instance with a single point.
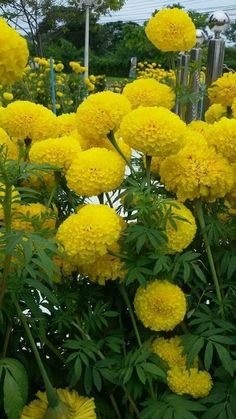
(200, 215)
(52, 397)
(148, 169)
(113, 141)
(6, 340)
(101, 198)
(109, 200)
(7, 222)
(52, 194)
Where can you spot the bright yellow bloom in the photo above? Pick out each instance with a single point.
(90, 233)
(223, 90)
(183, 234)
(8, 96)
(160, 306)
(171, 30)
(26, 120)
(95, 171)
(196, 172)
(194, 138)
(60, 94)
(58, 106)
(192, 382)
(101, 113)
(76, 67)
(170, 350)
(12, 149)
(105, 268)
(199, 126)
(32, 217)
(59, 67)
(58, 152)
(222, 135)
(215, 112)
(71, 406)
(149, 92)
(14, 54)
(67, 123)
(154, 131)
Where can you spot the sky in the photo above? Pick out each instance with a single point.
(141, 10)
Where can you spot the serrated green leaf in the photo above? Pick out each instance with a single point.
(225, 358)
(208, 355)
(13, 401)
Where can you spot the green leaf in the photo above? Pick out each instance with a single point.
(42, 289)
(141, 374)
(225, 358)
(208, 355)
(88, 380)
(97, 379)
(154, 370)
(13, 401)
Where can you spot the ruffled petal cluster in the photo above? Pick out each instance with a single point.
(58, 152)
(101, 113)
(90, 233)
(14, 54)
(197, 172)
(149, 92)
(170, 350)
(67, 123)
(180, 236)
(222, 135)
(95, 171)
(160, 306)
(105, 268)
(215, 112)
(223, 90)
(153, 131)
(71, 406)
(199, 126)
(171, 30)
(191, 382)
(26, 120)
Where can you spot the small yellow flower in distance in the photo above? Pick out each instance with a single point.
(171, 30)
(71, 405)
(185, 229)
(58, 106)
(223, 90)
(32, 217)
(90, 233)
(215, 112)
(160, 306)
(101, 113)
(59, 67)
(95, 171)
(170, 350)
(154, 131)
(191, 382)
(222, 135)
(59, 152)
(8, 96)
(14, 54)
(197, 171)
(60, 94)
(149, 92)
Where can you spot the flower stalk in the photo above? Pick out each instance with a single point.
(111, 138)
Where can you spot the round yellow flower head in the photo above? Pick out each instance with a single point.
(95, 171)
(223, 90)
(8, 96)
(215, 112)
(12, 149)
(90, 233)
(149, 92)
(59, 67)
(14, 54)
(222, 135)
(194, 138)
(199, 126)
(180, 237)
(160, 306)
(67, 123)
(154, 131)
(191, 382)
(196, 172)
(234, 108)
(105, 268)
(170, 350)
(33, 216)
(231, 196)
(26, 120)
(101, 113)
(58, 152)
(171, 30)
(71, 406)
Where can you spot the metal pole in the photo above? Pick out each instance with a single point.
(53, 86)
(86, 45)
(182, 81)
(192, 108)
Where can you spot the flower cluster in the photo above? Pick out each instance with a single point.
(149, 92)
(223, 90)
(107, 267)
(182, 233)
(160, 306)
(170, 350)
(77, 67)
(155, 71)
(192, 382)
(222, 135)
(215, 112)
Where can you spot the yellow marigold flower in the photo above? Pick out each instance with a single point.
(215, 112)
(14, 54)
(170, 350)
(105, 143)
(101, 113)
(32, 216)
(95, 171)
(191, 382)
(67, 122)
(231, 196)
(12, 149)
(223, 90)
(60, 94)
(160, 306)
(76, 67)
(90, 233)
(222, 135)
(59, 67)
(199, 126)
(58, 152)
(23, 119)
(234, 108)
(8, 96)
(107, 267)
(194, 138)
(149, 92)
(171, 30)
(154, 131)
(66, 265)
(58, 106)
(196, 172)
(71, 406)
(180, 237)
